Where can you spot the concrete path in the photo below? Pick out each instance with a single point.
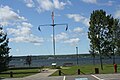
(43, 74)
(39, 76)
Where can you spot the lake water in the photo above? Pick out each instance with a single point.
(36, 62)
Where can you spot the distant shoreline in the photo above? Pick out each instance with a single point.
(38, 61)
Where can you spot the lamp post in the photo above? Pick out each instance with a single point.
(101, 63)
(77, 54)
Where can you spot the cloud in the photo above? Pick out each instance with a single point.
(76, 17)
(90, 1)
(108, 3)
(72, 41)
(20, 30)
(23, 29)
(68, 38)
(29, 3)
(31, 38)
(72, 37)
(8, 16)
(23, 34)
(78, 30)
(117, 14)
(46, 5)
(79, 18)
(61, 37)
(69, 2)
(59, 5)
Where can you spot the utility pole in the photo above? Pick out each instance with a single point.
(77, 54)
(53, 26)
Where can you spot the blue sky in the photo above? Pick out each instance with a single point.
(21, 19)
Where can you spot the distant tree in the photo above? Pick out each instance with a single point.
(4, 50)
(28, 60)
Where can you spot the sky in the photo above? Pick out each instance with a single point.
(20, 20)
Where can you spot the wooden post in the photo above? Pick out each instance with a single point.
(59, 72)
(78, 71)
(11, 74)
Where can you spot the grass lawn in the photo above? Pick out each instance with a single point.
(86, 69)
(19, 73)
(73, 70)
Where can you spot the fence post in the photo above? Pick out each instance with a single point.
(59, 72)
(78, 71)
(96, 70)
(11, 74)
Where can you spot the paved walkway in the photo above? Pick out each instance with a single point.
(43, 74)
(39, 76)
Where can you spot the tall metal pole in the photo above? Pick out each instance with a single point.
(54, 41)
(53, 26)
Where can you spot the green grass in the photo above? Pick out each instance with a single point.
(86, 69)
(19, 73)
(23, 70)
(15, 75)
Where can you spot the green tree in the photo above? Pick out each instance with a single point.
(28, 60)
(108, 37)
(117, 40)
(114, 37)
(98, 32)
(104, 35)
(4, 50)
